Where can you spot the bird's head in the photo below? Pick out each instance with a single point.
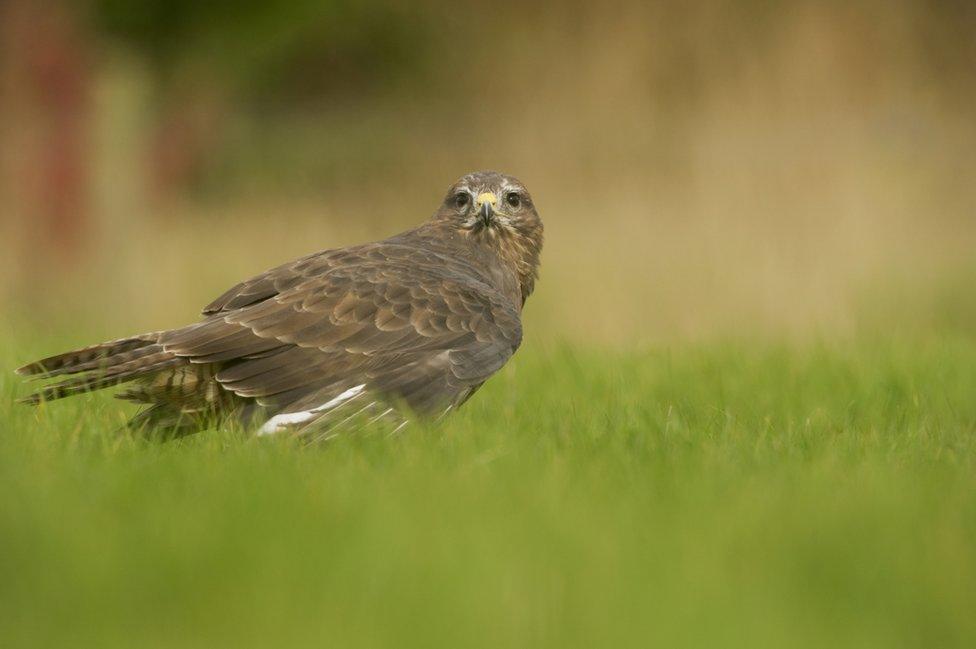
(491, 204)
(496, 209)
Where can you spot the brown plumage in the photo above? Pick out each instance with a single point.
(411, 324)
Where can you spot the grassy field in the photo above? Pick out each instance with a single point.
(698, 494)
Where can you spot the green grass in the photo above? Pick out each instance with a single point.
(714, 495)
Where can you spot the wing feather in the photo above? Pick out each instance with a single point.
(402, 322)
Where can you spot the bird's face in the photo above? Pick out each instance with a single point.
(496, 211)
(487, 203)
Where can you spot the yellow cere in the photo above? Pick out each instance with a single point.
(487, 197)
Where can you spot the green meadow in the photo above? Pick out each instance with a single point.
(733, 494)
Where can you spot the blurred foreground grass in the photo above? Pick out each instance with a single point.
(707, 494)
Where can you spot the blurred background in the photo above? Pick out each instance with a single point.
(724, 168)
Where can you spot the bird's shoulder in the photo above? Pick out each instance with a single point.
(419, 270)
(406, 258)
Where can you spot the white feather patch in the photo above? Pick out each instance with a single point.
(286, 419)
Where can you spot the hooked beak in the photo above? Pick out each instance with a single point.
(485, 204)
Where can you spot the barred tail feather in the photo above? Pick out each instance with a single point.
(99, 366)
(112, 376)
(87, 358)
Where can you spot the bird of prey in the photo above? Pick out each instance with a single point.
(407, 326)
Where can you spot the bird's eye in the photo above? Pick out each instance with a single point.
(513, 199)
(461, 200)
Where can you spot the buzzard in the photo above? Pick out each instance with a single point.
(410, 325)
